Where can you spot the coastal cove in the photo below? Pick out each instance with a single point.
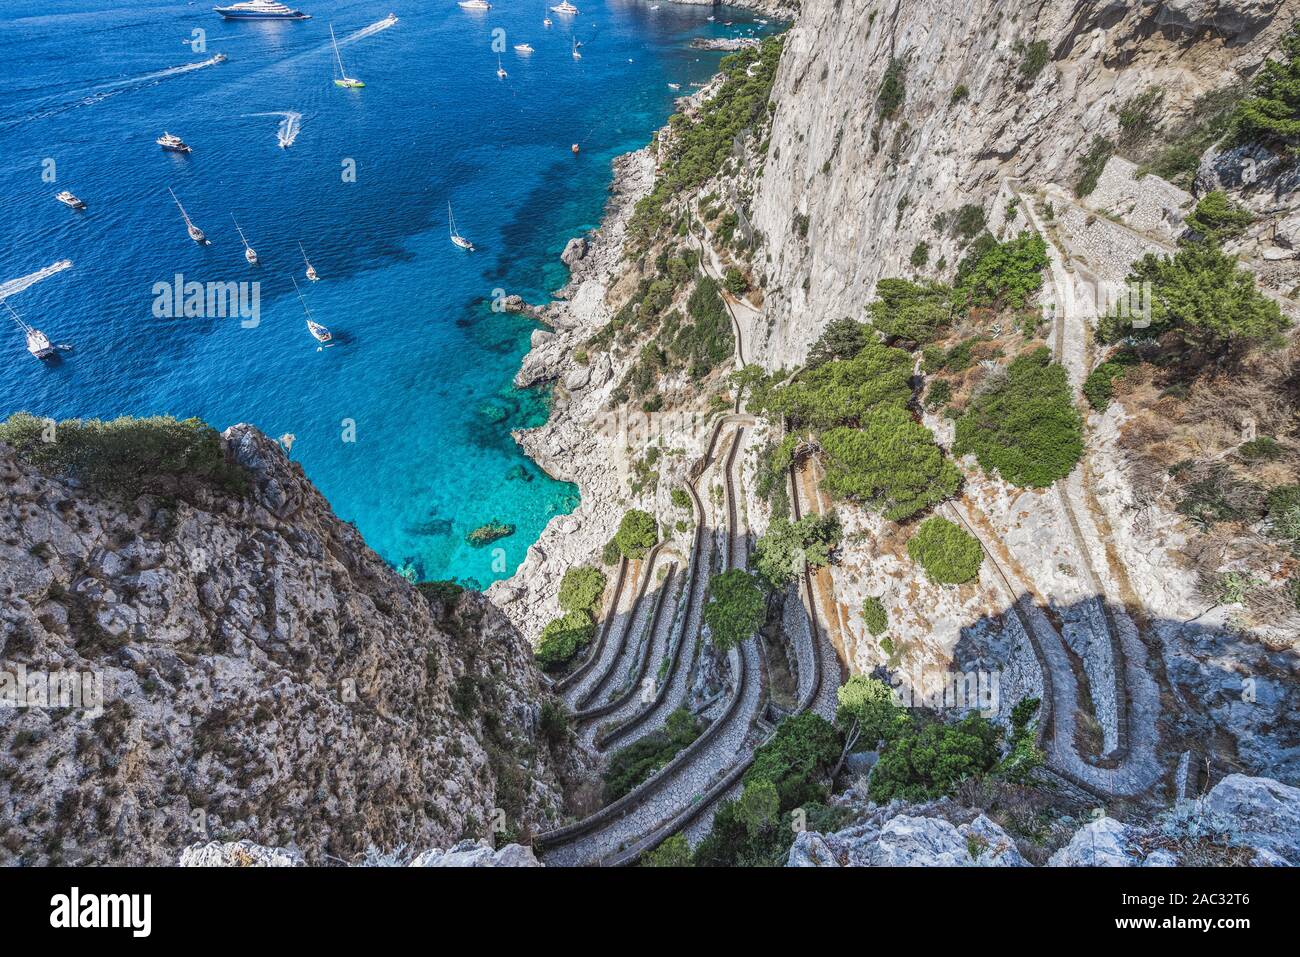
(406, 424)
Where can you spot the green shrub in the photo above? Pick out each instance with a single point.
(128, 456)
(931, 761)
(631, 766)
(892, 464)
(1025, 427)
(1099, 387)
(1263, 449)
(446, 592)
(949, 554)
(553, 722)
(844, 391)
(959, 93)
(735, 281)
(908, 311)
(875, 616)
(1271, 113)
(1093, 165)
(1024, 755)
(969, 221)
(637, 534)
(1034, 57)
(561, 639)
(893, 88)
(841, 339)
(786, 547)
(1202, 297)
(920, 255)
(1179, 156)
(1003, 275)
(681, 498)
(736, 608)
(1217, 218)
(940, 394)
(870, 703)
(581, 589)
(797, 760)
(675, 851)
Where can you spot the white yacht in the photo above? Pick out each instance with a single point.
(260, 10)
(565, 8)
(38, 343)
(172, 144)
(474, 5)
(523, 48)
(67, 199)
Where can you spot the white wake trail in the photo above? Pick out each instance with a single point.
(289, 128)
(369, 31)
(14, 286)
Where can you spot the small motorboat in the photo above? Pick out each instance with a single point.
(674, 86)
(67, 199)
(523, 48)
(575, 148)
(173, 144)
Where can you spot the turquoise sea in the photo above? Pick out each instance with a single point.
(405, 423)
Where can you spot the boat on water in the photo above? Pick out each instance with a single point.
(318, 332)
(456, 237)
(546, 21)
(38, 343)
(196, 234)
(173, 144)
(260, 10)
(249, 252)
(67, 199)
(474, 5)
(311, 270)
(576, 149)
(343, 80)
(576, 54)
(501, 71)
(565, 8)
(523, 48)
(674, 86)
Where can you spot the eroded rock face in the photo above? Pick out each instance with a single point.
(265, 676)
(1264, 813)
(846, 194)
(892, 837)
(239, 854)
(469, 853)
(478, 854)
(1105, 842)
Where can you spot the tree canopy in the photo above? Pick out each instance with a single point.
(843, 391)
(736, 608)
(905, 311)
(1271, 113)
(636, 534)
(781, 553)
(949, 554)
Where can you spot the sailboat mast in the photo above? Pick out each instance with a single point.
(451, 221)
(240, 231)
(304, 257)
(180, 207)
(342, 72)
(300, 299)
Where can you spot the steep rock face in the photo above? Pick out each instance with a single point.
(265, 676)
(846, 193)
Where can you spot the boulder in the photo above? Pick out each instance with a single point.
(1102, 843)
(1229, 17)
(811, 849)
(574, 251)
(477, 854)
(1260, 812)
(239, 854)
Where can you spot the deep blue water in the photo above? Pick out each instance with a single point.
(424, 365)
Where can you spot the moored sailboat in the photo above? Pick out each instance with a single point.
(311, 270)
(249, 252)
(38, 344)
(318, 332)
(196, 234)
(456, 237)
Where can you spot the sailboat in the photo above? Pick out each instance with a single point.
(311, 270)
(501, 71)
(576, 54)
(249, 252)
(318, 332)
(343, 80)
(196, 234)
(456, 237)
(38, 344)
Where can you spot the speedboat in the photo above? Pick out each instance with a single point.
(260, 10)
(67, 199)
(172, 144)
(220, 58)
(674, 86)
(523, 48)
(474, 5)
(566, 8)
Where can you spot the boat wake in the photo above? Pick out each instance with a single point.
(89, 96)
(14, 286)
(289, 128)
(369, 31)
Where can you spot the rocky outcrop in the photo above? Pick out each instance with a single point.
(891, 838)
(265, 676)
(469, 853)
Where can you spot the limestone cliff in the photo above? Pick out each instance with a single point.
(265, 676)
(987, 90)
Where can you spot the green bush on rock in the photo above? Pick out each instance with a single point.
(637, 534)
(582, 588)
(736, 608)
(949, 555)
(561, 639)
